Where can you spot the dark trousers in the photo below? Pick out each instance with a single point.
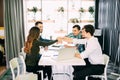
(80, 72)
(35, 70)
(48, 70)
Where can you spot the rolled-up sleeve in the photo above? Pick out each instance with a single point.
(79, 41)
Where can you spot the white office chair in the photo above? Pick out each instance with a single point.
(24, 67)
(118, 78)
(104, 75)
(14, 66)
(22, 60)
(22, 53)
(116, 74)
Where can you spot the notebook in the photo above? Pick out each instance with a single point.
(65, 54)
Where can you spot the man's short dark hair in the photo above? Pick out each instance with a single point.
(38, 22)
(76, 26)
(89, 28)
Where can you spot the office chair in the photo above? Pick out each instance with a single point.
(117, 59)
(14, 66)
(104, 75)
(24, 67)
(118, 78)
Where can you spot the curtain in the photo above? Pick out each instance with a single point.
(14, 28)
(109, 21)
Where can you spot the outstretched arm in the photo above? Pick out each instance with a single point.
(42, 43)
(45, 40)
(67, 39)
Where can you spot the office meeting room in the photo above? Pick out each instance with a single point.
(59, 40)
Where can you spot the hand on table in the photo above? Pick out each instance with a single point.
(46, 48)
(78, 55)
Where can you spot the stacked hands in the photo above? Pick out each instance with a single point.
(66, 39)
(60, 39)
(69, 41)
(78, 55)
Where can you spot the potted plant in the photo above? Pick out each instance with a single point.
(91, 10)
(34, 10)
(61, 9)
(74, 20)
(81, 10)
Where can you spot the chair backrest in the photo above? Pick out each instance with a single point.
(106, 61)
(23, 63)
(13, 66)
(23, 54)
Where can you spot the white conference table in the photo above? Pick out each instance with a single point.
(49, 58)
(49, 61)
(59, 67)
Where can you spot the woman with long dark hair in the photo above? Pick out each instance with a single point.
(32, 50)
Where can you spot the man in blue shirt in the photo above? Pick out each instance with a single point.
(46, 69)
(39, 24)
(76, 34)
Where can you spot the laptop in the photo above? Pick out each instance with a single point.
(65, 54)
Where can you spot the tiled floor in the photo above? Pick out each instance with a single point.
(111, 68)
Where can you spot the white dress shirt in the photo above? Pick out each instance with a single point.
(92, 51)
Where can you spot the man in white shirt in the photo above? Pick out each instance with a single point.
(92, 55)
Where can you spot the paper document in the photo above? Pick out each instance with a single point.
(49, 53)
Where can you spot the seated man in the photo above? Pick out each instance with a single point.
(77, 35)
(92, 55)
(46, 69)
(39, 24)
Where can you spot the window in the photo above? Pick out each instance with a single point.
(58, 16)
